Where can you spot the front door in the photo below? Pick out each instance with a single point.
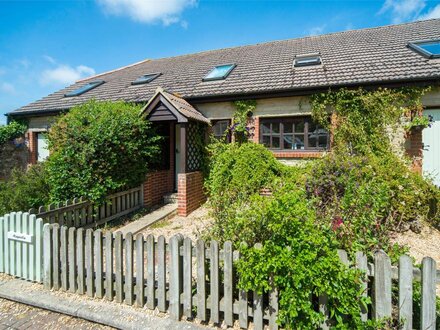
(431, 149)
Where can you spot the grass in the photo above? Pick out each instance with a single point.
(160, 224)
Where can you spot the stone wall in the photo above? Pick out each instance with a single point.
(13, 154)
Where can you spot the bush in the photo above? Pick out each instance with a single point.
(365, 197)
(25, 190)
(11, 131)
(98, 148)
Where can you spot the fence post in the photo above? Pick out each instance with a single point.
(201, 278)
(214, 281)
(362, 265)
(405, 292)
(161, 274)
(63, 252)
(128, 268)
(151, 287)
(228, 283)
(109, 266)
(119, 268)
(140, 295)
(175, 277)
(258, 304)
(72, 260)
(47, 257)
(2, 252)
(429, 281)
(382, 285)
(187, 277)
(99, 285)
(80, 260)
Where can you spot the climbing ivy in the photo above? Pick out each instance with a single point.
(360, 119)
(239, 128)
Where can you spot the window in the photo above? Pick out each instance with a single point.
(146, 78)
(307, 60)
(42, 147)
(85, 88)
(219, 72)
(428, 48)
(220, 129)
(293, 134)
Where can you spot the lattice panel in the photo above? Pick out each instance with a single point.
(195, 141)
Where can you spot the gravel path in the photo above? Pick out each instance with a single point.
(18, 316)
(425, 244)
(190, 226)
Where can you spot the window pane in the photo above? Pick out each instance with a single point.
(275, 128)
(288, 127)
(288, 142)
(266, 141)
(265, 128)
(299, 127)
(299, 142)
(220, 72)
(322, 141)
(275, 142)
(313, 138)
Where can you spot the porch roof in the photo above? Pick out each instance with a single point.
(179, 108)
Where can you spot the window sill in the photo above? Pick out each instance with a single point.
(299, 154)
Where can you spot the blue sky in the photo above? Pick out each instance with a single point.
(47, 45)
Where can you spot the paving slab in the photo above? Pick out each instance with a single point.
(96, 310)
(159, 214)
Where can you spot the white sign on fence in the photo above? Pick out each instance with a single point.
(19, 237)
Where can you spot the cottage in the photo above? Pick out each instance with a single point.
(184, 94)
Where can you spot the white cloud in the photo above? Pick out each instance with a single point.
(7, 88)
(403, 10)
(433, 13)
(148, 11)
(316, 30)
(50, 59)
(65, 74)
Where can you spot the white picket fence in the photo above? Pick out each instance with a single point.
(194, 280)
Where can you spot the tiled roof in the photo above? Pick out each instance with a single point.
(182, 106)
(367, 56)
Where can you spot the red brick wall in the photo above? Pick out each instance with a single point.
(190, 192)
(414, 149)
(33, 148)
(156, 185)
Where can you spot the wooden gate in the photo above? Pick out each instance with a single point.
(21, 246)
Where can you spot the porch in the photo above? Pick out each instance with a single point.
(179, 171)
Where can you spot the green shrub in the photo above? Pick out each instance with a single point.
(98, 148)
(300, 259)
(364, 198)
(24, 190)
(11, 131)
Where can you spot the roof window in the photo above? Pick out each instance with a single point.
(428, 48)
(85, 88)
(146, 78)
(219, 72)
(307, 60)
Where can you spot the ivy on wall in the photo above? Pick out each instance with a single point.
(360, 119)
(240, 119)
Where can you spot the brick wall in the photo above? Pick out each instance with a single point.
(33, 148)
(414, 149)
(190, 192)
(156, 185)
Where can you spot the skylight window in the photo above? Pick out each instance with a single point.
(146, 78)
(307, 60)
(219, 72)
(428, 48)
(85, 88)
